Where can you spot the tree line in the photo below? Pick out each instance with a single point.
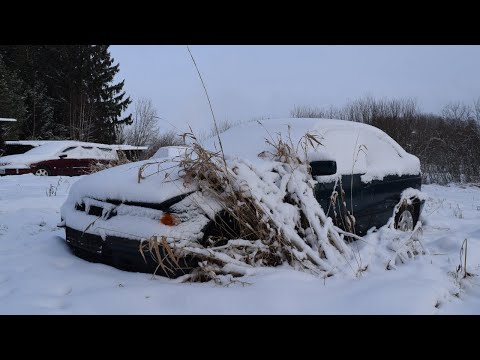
(69, 92)
(62, 92)
(447, 144)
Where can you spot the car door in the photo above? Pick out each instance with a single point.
(66, 163)
(347, 148)
(86, 159)
(349, 198)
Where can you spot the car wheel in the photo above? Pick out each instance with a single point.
(405, 219)
(42, 171)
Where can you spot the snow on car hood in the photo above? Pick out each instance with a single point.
(161, 183)
(22, 161)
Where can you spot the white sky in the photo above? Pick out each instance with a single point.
(265, 80)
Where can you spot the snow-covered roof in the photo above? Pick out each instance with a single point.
(128, 147)
(52, 147)
(357, 148)
(36, 143)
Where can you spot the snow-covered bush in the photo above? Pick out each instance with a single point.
(277, 218)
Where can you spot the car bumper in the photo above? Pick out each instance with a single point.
(8, 171)
(124, 254)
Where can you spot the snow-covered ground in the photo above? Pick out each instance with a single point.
(39, 275)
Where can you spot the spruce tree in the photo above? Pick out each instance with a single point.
(109, 98)
(67, 92)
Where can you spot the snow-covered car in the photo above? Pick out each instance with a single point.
(16, 147)
(108, 214)
(67, 158)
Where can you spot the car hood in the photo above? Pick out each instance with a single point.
(22, 160)
(121, 183)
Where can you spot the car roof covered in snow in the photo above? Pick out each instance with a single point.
(52, 147)
(356, 147)
(128, 147)
(33, 143)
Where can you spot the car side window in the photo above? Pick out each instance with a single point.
(80, 152)
(87, 152)
(68, 149)
(105, 153)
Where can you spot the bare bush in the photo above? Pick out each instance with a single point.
(306, 112)
(457, 111)
(222, 126)
(476, 109)
(315, 112)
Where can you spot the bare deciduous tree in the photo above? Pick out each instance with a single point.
(476, 109)
(457, 111)
(144, 129)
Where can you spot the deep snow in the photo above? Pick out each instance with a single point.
(39, 275)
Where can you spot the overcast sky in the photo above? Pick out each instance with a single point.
(263, 80)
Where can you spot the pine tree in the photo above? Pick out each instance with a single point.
(109, 97)
(29, 62)
(68, 92)
(92, 102)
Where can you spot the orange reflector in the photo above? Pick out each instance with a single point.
(169, 219)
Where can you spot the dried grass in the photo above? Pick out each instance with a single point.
(259, 237)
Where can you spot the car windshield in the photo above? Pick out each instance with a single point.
(48, 149)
